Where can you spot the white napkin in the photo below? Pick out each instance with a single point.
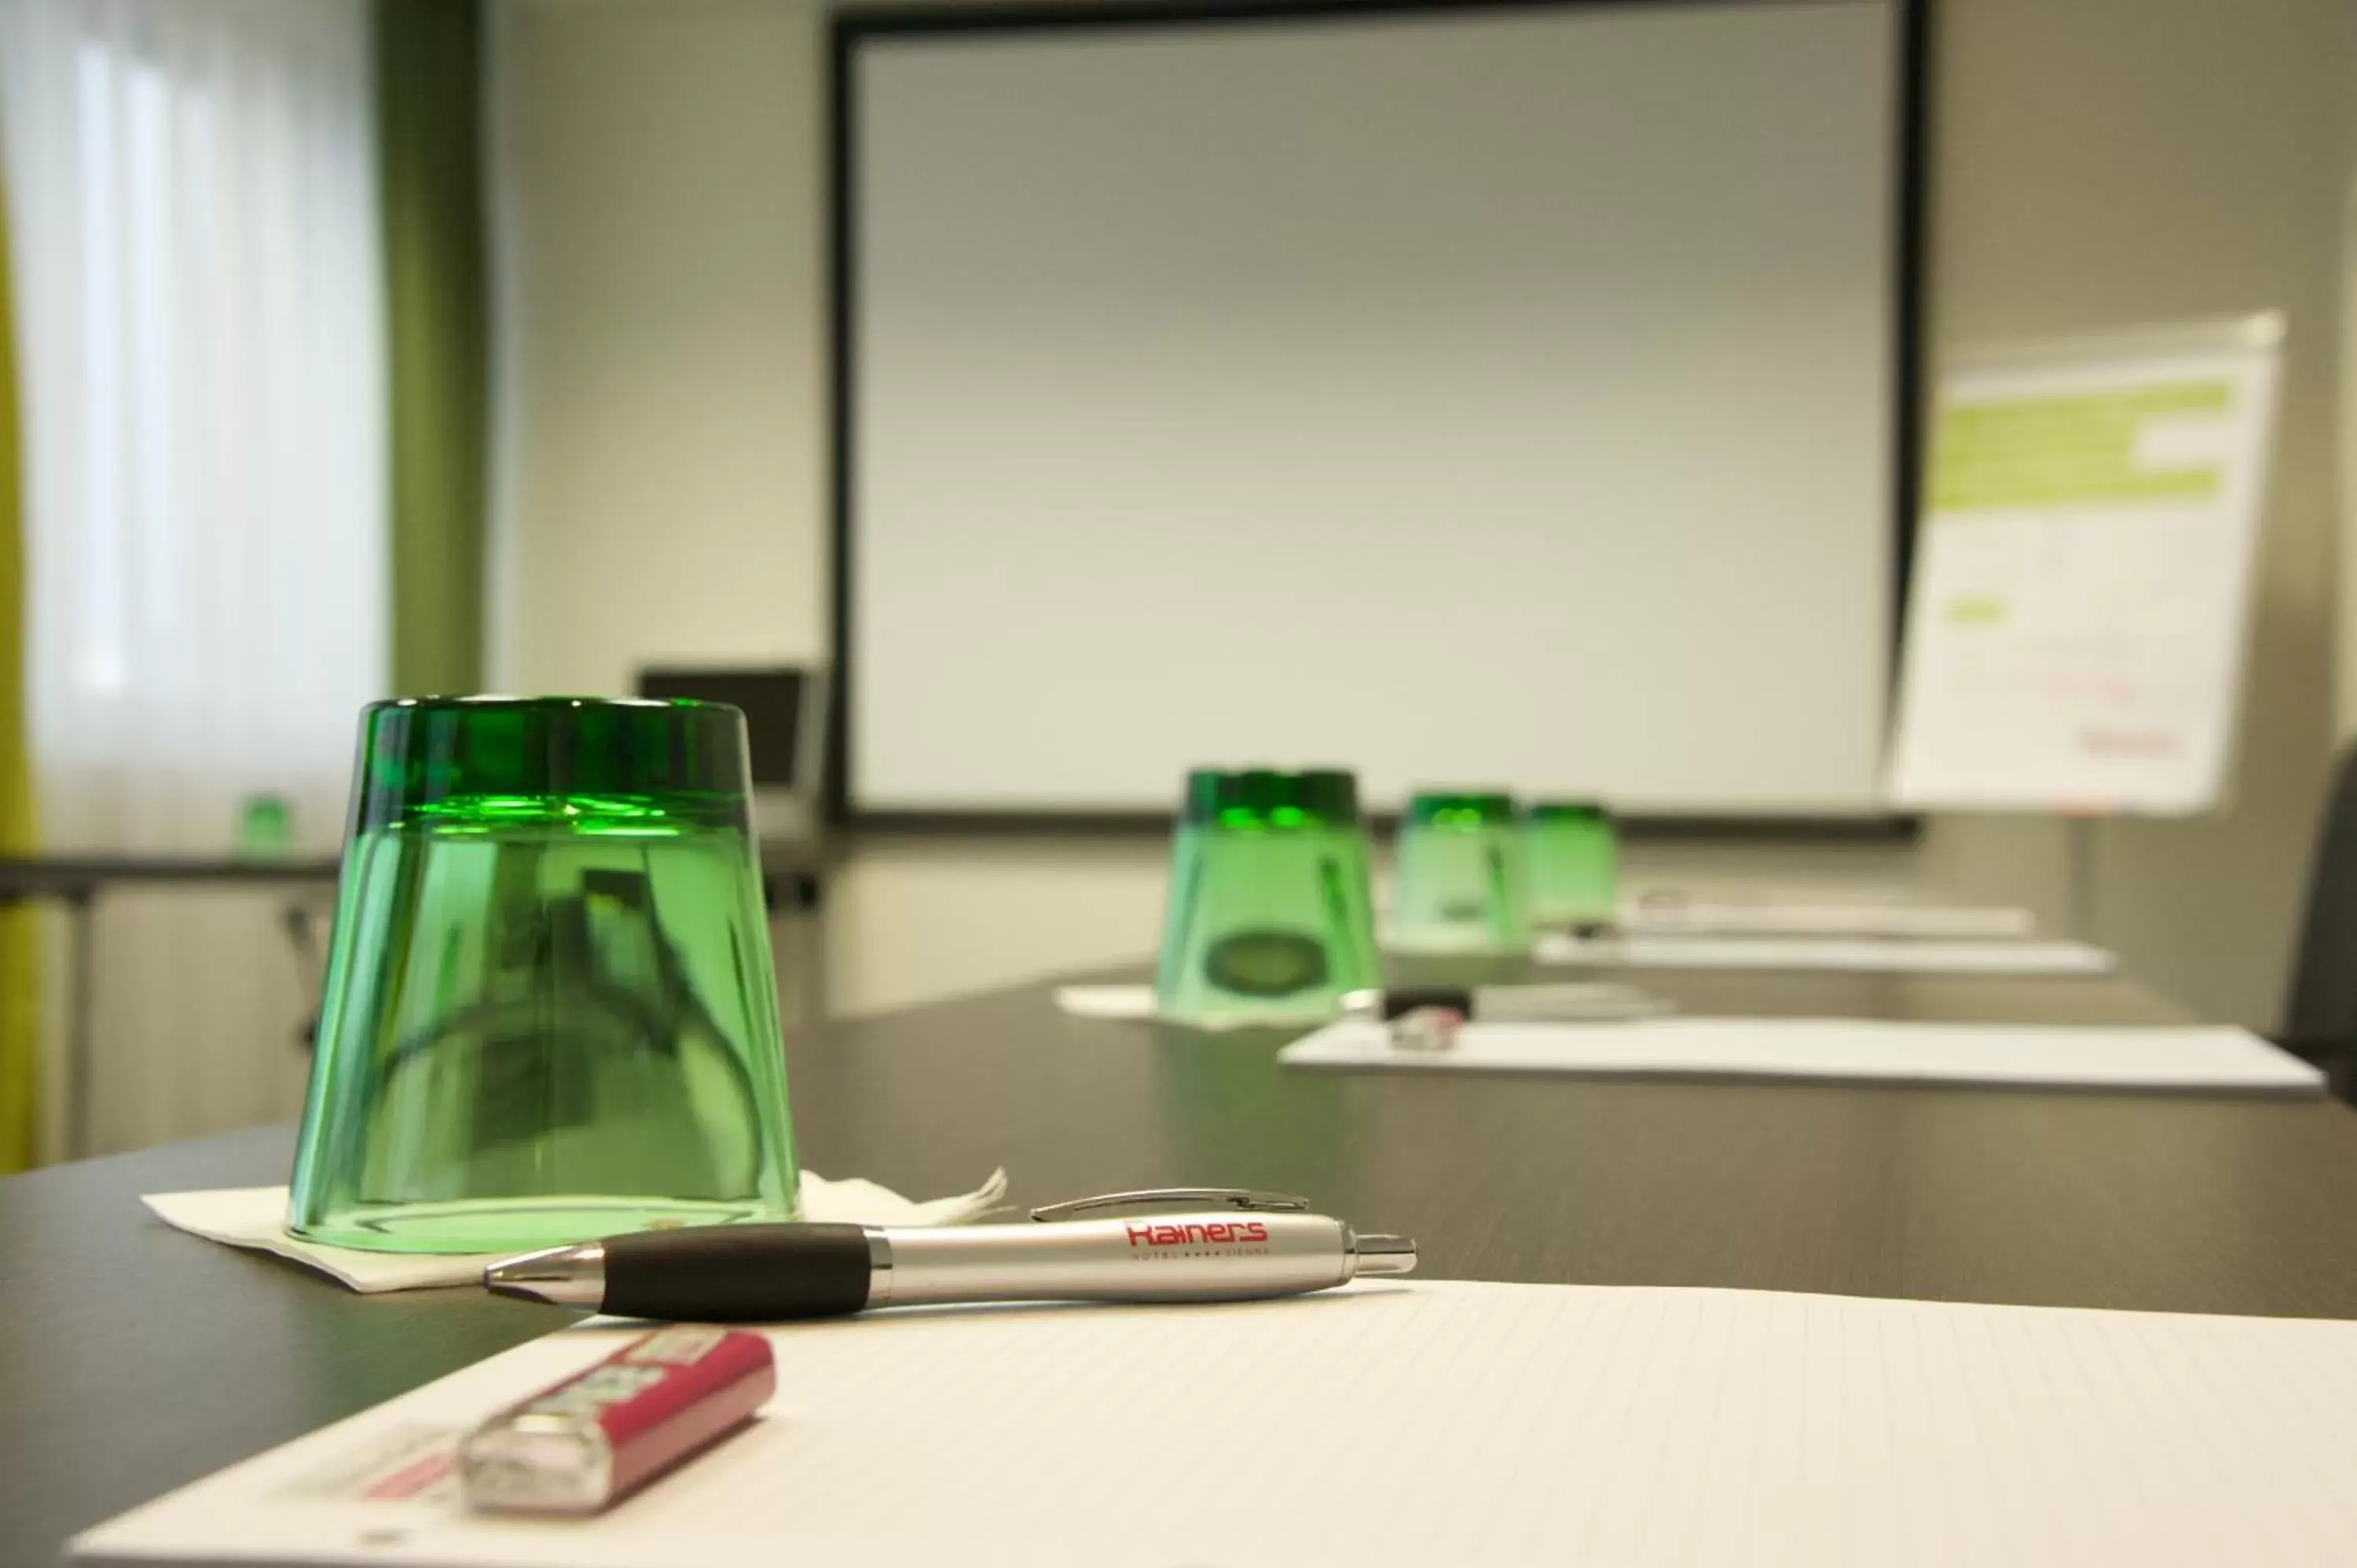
(256, 1216)
(1128, 1003)
(1106, 1001)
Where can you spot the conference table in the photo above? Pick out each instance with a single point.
(135, 1359)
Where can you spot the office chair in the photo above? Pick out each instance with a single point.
(2319, 1014)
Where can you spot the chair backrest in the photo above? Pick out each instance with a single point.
(2319, 1012)
(785, 715)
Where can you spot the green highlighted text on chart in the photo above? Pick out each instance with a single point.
(2058, 449)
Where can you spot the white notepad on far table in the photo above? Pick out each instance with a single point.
(1403, 1425)
(1850, 1050)
(1825, 954)
(1799, 914)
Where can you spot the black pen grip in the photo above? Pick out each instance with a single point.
(737, 1274)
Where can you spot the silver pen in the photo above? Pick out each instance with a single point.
(1239, 1245)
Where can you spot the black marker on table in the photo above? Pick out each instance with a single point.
(1255, 1244)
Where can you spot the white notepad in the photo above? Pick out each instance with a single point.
(1858, 955)
(1475, 1426)
(1799, 913)
(2045, 1055)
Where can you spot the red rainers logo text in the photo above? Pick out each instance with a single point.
(1196, 1235)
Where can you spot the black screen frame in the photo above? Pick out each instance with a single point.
(851, 28)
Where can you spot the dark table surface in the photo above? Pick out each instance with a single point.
(134, 1358)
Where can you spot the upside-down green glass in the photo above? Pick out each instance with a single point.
(549, 1012)
(1269, 920)
(265, 825)
(1573, 856)
(1458, 876)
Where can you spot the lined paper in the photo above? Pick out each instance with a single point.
(2214, 1058)
(1414, 1423)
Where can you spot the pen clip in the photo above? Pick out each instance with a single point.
(1220, 1197)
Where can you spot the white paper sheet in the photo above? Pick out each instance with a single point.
(1404, 1423)
(1861, 955)
(1841, 1049)
(1800, 913)
(255, 1218)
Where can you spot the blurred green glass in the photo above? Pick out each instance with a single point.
(549, 1009)
(1572, 854)
(1458, 879)
(266, 826)
(1269, 918)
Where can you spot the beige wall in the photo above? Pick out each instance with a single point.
(2100, 163)
(2110, 162)
(657, 191)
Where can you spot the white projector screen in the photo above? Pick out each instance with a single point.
(1480, 395)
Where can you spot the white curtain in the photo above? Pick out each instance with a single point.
(193, 190)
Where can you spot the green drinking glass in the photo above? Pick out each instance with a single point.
(1572, 853)
(266, 826)
(549, 1012)
(1458, 876)
(1269, 918)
